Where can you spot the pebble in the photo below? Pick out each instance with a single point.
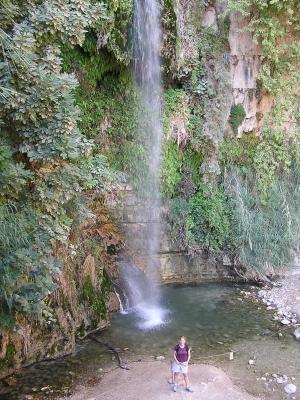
(290, 388)
(280, 380)
(251, 362)
(159, 358)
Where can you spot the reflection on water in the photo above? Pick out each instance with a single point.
(210, 315)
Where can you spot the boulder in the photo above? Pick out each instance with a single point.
(290, 388)
(297, 333)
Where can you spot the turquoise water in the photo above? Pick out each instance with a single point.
(212, 317)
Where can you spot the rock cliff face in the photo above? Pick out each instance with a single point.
(134, 218)
(245, 62)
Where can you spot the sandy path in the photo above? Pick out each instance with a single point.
(149, 381)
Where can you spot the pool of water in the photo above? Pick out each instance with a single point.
(209, 316)
(212, 316)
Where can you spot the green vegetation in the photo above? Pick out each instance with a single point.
(203, 221)
(208, 219)
(266, 233)
(46, 162)
(237, 116)
(95, 297)
(8, 361)
(239, 151)
(171, 174)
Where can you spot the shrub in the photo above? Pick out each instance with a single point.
(208, 219)
(171, 166)
(237, 116)
(266, 232)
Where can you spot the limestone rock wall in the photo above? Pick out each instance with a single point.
(134, 217)
(245, 62)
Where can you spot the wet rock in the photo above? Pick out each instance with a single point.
(43, 389)
(297, 333)
(290, 388)
(285, 321)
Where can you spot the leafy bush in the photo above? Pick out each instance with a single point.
(237, 116)
(208, 222)
(203, 221)
(46, 163)
(26, 267)
(239, 151)
(171, 174)
(274, 157)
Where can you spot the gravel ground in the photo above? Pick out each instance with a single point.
(149, 381)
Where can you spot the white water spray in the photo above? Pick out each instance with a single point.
(123, 308)
(145, 295)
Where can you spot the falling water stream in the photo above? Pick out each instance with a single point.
(145, 296)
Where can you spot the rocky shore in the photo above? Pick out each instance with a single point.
(283, 298)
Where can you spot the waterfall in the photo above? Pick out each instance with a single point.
(145, 295)
(123, 308)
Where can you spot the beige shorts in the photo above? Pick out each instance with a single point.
(179, 368)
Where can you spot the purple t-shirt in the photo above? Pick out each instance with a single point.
(182, 353)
